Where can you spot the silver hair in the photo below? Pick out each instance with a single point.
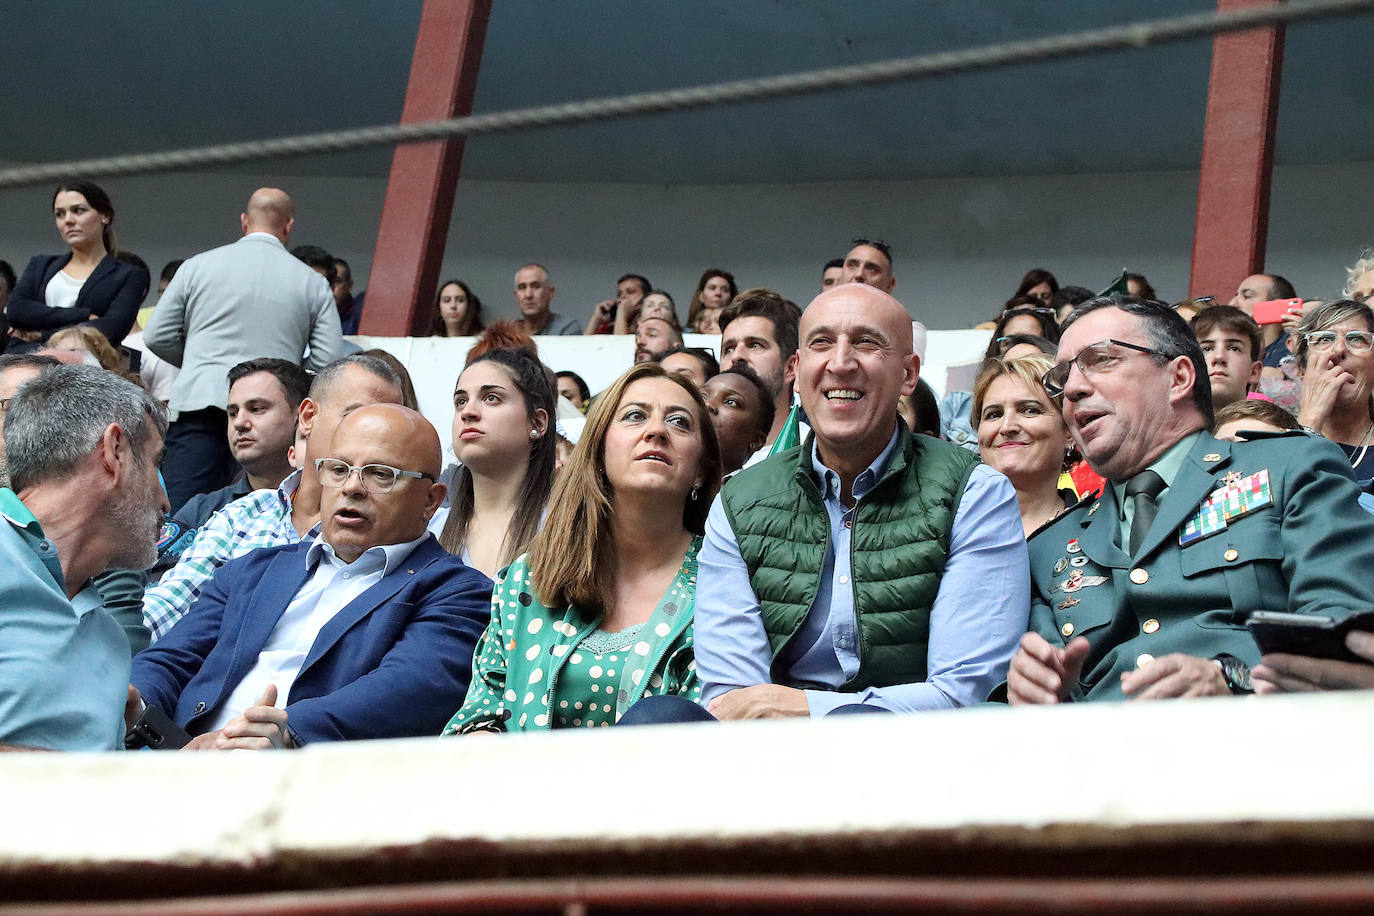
(1321, 317)
(326, 377)
(1352, 273)
(56, 420)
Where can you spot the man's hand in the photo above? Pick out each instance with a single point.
(261, 727)
(133, 707)
(205, 742)
(761, 701)
(1042, 673)
(1280, 673)
(1173, 676)
(1293, 318)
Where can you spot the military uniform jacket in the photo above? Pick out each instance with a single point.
(1304, 547)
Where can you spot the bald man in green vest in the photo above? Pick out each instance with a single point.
(866, 570)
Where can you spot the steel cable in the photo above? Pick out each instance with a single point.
(1062, 46)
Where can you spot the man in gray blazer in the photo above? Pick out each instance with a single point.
(237, 302)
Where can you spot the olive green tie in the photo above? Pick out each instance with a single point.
(1143, 489)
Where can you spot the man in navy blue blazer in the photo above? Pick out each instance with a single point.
(366, 631)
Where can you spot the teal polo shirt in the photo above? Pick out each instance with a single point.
(64, 664)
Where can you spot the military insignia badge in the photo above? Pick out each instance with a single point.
(1077, 582)
(1093, 509)
(1067, 603)
(1062, 565)
(1211, 456)
(1240, 496)
(1072, 546)
(1079, 561)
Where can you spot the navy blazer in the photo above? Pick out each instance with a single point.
(113, 292)
(394, 663)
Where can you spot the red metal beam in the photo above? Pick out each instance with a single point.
(424, 176)
(1237, 157)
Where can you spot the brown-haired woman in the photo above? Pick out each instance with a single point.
(87, 285)
(457, 311)
(1022, 433)
(598, 613)
(715, 290)
(503, 410)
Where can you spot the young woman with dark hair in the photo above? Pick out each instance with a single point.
(86, 285)
(457, 311)
(503, 437)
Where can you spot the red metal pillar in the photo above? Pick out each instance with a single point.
(1237, 157)
(424, 176)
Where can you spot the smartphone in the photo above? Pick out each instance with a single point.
(155, 730)
(1313, 635)
(1273, 311)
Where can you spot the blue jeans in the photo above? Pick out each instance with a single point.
(675, 710)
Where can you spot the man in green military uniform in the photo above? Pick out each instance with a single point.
(1143, 591)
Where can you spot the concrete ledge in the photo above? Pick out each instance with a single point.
(1229, 786)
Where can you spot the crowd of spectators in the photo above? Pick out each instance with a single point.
(229, 527)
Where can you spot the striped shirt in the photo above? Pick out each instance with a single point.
(260, 519)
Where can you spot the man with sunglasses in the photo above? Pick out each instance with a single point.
(1142, 591)
(367, 631)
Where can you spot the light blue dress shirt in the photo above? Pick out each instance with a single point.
(976, 622)
(64, 664)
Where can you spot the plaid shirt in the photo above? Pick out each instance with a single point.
(261, 519)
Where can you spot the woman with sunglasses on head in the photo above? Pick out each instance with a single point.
(1335, 356)
(503, 410)
(598, 613)
(1022, 433)
(1024, 315)
(86, 285)
(1038, 284)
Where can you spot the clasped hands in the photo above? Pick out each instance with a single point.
(1041, 673)
(261, 727)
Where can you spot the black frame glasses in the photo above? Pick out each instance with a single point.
(1055, 379)
(371, 482)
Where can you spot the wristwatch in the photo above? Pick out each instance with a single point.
(1235, 672)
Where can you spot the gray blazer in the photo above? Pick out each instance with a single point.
(241, 301)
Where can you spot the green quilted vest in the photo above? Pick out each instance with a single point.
(898, 545)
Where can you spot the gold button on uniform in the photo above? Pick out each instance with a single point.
(1232, 555)
(1067, 629)
(1143, 659)
(1150, 626)
(1139, 576)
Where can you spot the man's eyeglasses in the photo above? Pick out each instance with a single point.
(1102, 356)
(376, 478)
(1355, 341)
(5, 404)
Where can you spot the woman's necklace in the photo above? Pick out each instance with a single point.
(1363, 447)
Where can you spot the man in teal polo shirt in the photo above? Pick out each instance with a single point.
(83, 447)
(1143, 592)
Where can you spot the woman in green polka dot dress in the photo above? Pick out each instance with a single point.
(599, 613)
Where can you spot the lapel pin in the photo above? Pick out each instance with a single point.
(1093, 509)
